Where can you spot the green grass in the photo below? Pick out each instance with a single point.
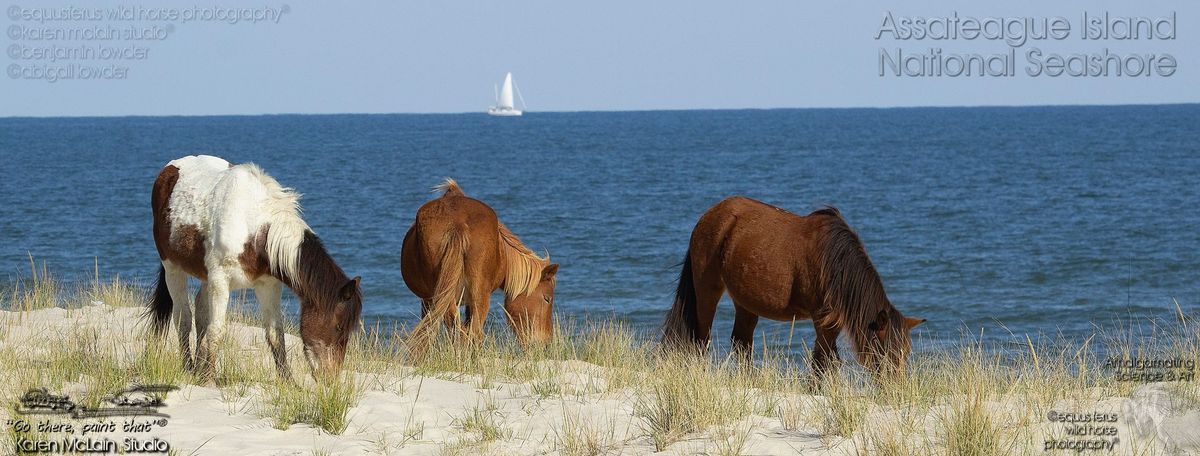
(485, 421)
(325, 405)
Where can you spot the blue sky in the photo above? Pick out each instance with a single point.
(429, 56)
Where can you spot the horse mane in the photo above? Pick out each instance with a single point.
(830, 211)
(524, 268)
(318, 278)
(854, 293)
(295, 253)
(287, 230)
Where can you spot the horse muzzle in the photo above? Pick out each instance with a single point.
(323, 360)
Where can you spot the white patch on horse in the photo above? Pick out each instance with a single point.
(229, 205)
(189, 203)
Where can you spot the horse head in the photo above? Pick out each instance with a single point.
(325, 328)
(532, 314)
(889, 342)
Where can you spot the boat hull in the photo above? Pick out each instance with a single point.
(504, 112)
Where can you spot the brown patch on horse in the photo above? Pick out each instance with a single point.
(160, 199)
(186, 247)
(254, 255)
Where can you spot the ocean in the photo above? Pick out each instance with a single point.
(995, 222)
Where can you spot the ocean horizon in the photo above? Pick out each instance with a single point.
(617, 111)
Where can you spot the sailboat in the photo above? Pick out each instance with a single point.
(504, 100)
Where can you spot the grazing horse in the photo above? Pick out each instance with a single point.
(235, 227)
(782, 266)
(458, 252)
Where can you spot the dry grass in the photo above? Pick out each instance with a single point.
(950, 403)
(39, 291)
(579, 435)
(687, 394)
(732, 440)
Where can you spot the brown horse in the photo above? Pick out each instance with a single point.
(458, 252)
(235, 227)
(782, 266)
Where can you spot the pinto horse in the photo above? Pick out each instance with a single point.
(457, 252)
(235, 227)
(782, 266)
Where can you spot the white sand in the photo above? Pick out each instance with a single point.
(203, 420)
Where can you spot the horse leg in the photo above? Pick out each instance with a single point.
(744, 322)
(479, 301)
(181, 310)
(272, 313)
(825, 352)
(210, 324)
(203, 316)
(708, 295)
(200, 300)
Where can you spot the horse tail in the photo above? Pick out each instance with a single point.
(449, 187)
(158, 309)
(680, 327)
(448, 292)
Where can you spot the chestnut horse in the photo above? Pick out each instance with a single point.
(235, 227)
(782, 266)
(456, 253)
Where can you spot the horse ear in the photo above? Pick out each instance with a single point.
(880, 322)
(350, 288)
(549, 272)
(910, 323)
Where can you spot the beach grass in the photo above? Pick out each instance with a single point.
(967, 399)
(38, 291)
(580, 435)
(325, 405)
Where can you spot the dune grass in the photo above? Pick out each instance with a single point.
(580, 435)
(326, 405)
(971, 399)
(39, 291)
(689, 394)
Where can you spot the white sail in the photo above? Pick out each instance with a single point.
(506, 93)
(504, 99)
